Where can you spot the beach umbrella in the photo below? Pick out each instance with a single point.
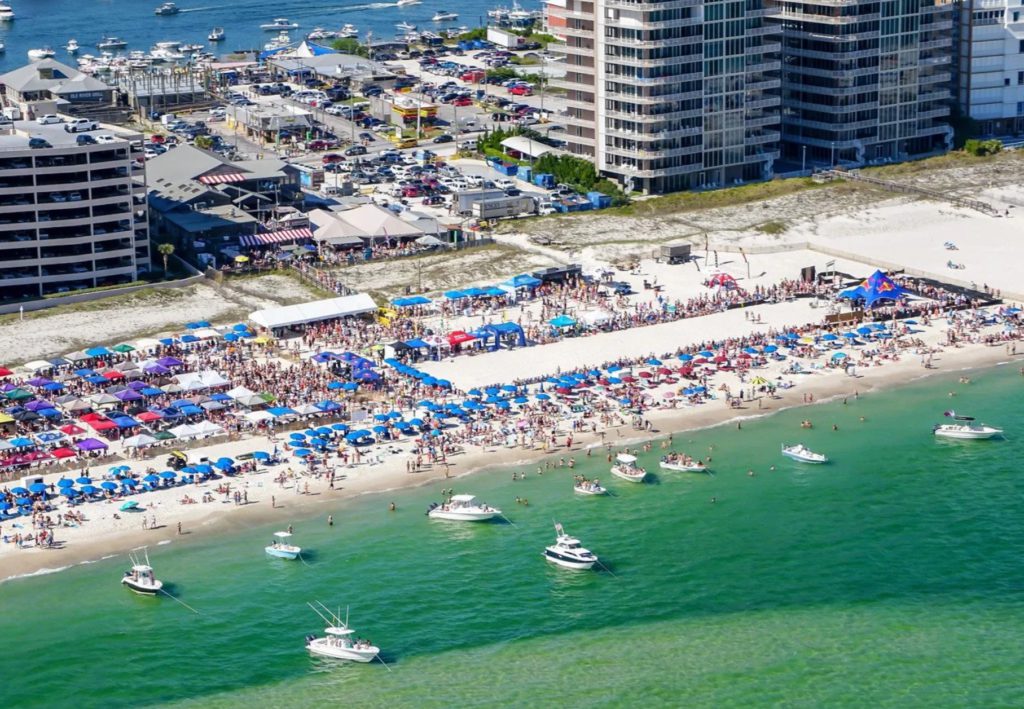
(750, 351)
(261, 455)
(380, 430)
(203, 469)
(839, 355)
(380, 417)
(302, 452)
(108, 485)
(19, 490)
(37, 487)
(297, 436)
(864, 330)
(318, 442)
(415, 422)
(65, 482)
(151, 478)
(706, 353)
(69, 492)
(89, 490)
(128, 482)
(543, 397)
(771, 348)
(520, 400)
(850, 335)
(685, 358)
(168, 474)
(339, 426)
(84, 480)
(130, 505)
(830, 337)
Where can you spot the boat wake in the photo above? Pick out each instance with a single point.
(40, 572)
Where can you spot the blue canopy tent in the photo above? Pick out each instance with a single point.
(873, 289)
(523, 281)
(562, 321)
(508, 330)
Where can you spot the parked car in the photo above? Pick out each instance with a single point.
(331, 158)
(48, 119)
(84, 139)
(444, 138)
(355, 150)
(38, 143)
(77, 125)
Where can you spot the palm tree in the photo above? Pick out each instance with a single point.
(165, 250)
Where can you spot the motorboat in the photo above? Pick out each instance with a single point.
(281, 548)
(626, 468)
(589, 487)
(6, 12)
(568, 553)
(463, 508)
(803, 454)
(682, 464)
(965, 428)
(168, 8)
(405, 27)
(111, 43)
(279, 23)
(281, 41)
(444, 16)
(72, 46)
(3, 47)
(140, 578)
(337, 642)
(192, 48)
(321, 33)
(37, 54)
(348, 32)
(216, 35)
(404, 3)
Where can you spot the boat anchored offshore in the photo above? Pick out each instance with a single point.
(140, 578)
(568, 553)
(682, 463)
(802, 454)
(44, 53)
(405, 27)
(168, 8)
(72, 46)
(6, 12)
(965, 428)
(337, 642)
(281, 548)
(626, 468)
(444, 16)
(279, 23)
(463, 508)
(216, 35)
(582, 486)
(348, 32)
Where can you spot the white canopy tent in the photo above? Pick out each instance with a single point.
(314, 311)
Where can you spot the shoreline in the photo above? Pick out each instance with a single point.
(91, 543)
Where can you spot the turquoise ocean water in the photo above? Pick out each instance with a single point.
(891, 577)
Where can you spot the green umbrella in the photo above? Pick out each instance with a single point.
(163, 435)
(266, 397)
(19, 394)
(123, 348)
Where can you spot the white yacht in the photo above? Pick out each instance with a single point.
(463, 508)
(405, 27)
(192, 48)
(348, 32)
(626, 468)
(140, 579)
(321, 33)
(168, 8)
(279, 23)
(6, 12)
(568, 553)
(803, 454)
(965, 428)
(338, 643)
(682, 463)
(37, 54)
(281, 41)
(280, 547)
(588, 487)
(444, 16)
(111, 43)
(216, 35)
(72, 46)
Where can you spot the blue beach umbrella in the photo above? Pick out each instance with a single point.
(706, 353)
(21, 490)
(685, 357)
(771, 348)
(69, 492)
(168, 474)
(108, 485)
(543, 397)
(829, 337)
(84, 480)
(151, 478)
(37, 487)
(65, 482)
(261, 455)
(302, 452)
(89, 490)
(339, 426)
(839, 355)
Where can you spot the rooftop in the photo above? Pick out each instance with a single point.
(56, 136)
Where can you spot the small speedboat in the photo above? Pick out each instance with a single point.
(72, 46)
(589, 487)
(681, 464)
(463, 508)
(279, 23)
(111, 43)
(140, 579)
(803, 454)
(6, 12)
(568, 553)
(216, 35)
(321, 33)
(281, 549)
(348, 32)
(404, 3)
(168, 8)
(626, 468)
(405, 27)
(337, 642)
(37, 54)
(444, 16)
(965, 428)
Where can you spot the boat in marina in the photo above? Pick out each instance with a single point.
(568, 552)
(965, 428)
(588, 487)
(192, 48)
(216, 35)
(682, 463)
(463, 508)
(337, 642)
(111, 43)
(6, 12)
(444, 16)
(140, 578)
(279, 24)
(281, 41)
(626, 468)
(72, 46)
(280, 547)
(43, 53)
(405, 27)
(167, 8)
(803, 454)
(348, 32)
(321, 33)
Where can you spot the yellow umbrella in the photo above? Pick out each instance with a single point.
(241, 259)
(261, 340)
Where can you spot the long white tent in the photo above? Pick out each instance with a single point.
(314, 311)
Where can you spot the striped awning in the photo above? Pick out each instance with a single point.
(282, 236)
(222, 178)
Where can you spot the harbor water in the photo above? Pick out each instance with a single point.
(890, 577)
(51, 23)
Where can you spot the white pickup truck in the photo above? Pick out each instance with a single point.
(77, 125)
